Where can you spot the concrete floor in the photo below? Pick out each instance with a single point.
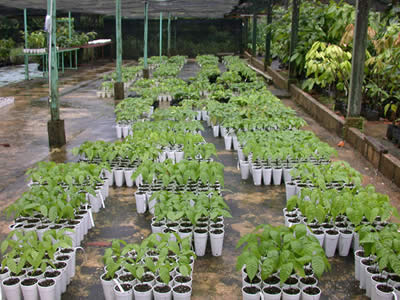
(89, 118)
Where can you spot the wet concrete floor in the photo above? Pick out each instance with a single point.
(90, 118)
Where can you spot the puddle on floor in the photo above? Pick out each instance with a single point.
(13, 74)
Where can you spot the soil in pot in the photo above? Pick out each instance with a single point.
(160, 280)
(125, 287)
(385, 288)
(200, 230)
(162, 288)
(218, 225)
(291, 281)
(147, 278)
(308, 272)
(182, 279)
(217, 231)
(127, 277)
(308, 280)
(292, 291)
(29, 281)
(312, 290)
(52, 274)
(11, 281)
(318, 232)
(106, 278)
(142, 287)
(272, 290)
(251, 290)
(332, 232)
(47, 283)
(182, 289)
(12, 274)
(35, 273)
(185, 230)
(272, 280)
(254, 281)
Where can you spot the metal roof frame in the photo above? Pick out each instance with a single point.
(135, 8)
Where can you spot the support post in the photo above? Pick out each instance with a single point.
(169, 35)
(246, 32)
(268, 37)
(358, 60)
(55, 126)
(175, 32)
(161, 19)
(254, 39)
(118, 85)
(70, 36)
(294, 38)
(26, 57)
(146, 29)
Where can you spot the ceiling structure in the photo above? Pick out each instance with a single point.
(135, 8)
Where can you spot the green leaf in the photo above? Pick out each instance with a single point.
(318, 265)
(252, 267)
(286, 271)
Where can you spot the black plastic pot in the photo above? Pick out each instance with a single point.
(372, 114)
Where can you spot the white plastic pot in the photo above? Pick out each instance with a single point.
(119, 177)
(381, 295)
(257, 174)
(345, 240)
(267, 175)
(217, 242)
(357, 264)
(235, 142)
(128, 177)
(200, 242)
(268, 296)
(182, 296)
(3, 277)
(13, 291)
(306, 296)
(228, 142)
(216, 130)
(277, 176)
(125, 131)
(30, 292)
(143, 295)
(286, 296)
(127, 294)
(330, 243)
(162, 296)
(48, 292)
(248, 296)
(290, 189)
(223, 131)
(57, 279)
(179, 156)
(244, 169)
(140, 202)
(286, 174)
(119, 130)
(108, 288)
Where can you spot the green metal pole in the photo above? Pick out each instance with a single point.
(26, 58)
(294, 37)
(358, 60)
(246, 33)
(146, 29)
(161, 19)
(169, 35)
(53, 66)
(70, 36)
(119, 85)
(267, 60)
(119, 40)
(175, 31)
(254, 51)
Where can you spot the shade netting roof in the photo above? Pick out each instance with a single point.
(135, 8)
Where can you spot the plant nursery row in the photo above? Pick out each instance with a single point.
(175, 177)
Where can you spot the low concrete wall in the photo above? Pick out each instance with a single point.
(369, 147)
